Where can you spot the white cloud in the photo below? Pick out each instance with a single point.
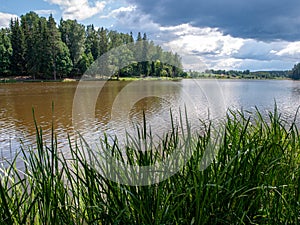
(203, 41)
(291, 50)
(5, 19)
(78, 9)
(194, 63)
(273, 64)
(209, 48)
(45, 11)
(206, 45)
(116, 12)
(227, 63)
(259, 50)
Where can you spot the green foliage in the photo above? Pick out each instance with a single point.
(92, 42)
(296, 72)
(5, 52)
(18, 48)
(73, 35)
(35, 46)
(103, 41)
(31, 25)
(54, 46)
(254, 178)
(242, 74)
(85, 61)
(64, 64)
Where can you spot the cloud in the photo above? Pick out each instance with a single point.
(206, 45)
(5, 19)
(205, 41)
(45, 11)
(259, 50)
(78, 9)
(291, 50)
(119, 12)
(210, 48)
(266, 20)
(131, 19)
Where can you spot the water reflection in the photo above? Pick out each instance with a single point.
(121, 104)
(263, 94)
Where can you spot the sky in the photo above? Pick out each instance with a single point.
(207, 34)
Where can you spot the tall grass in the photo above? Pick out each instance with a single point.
(254, 179)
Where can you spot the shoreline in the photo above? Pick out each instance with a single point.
(27, 79)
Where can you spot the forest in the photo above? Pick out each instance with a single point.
(39, 48)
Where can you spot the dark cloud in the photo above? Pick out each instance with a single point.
(266, 20)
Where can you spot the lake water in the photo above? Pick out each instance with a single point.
(94, 108)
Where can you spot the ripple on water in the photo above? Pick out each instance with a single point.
(17, 100)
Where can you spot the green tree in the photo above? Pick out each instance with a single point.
(158, 68)
(92, 43)
(18, 48)
(30, 25)
(138, 54)
(153, 69)
(103, 42)
(53, 45)
(63, 61)
(296, 72)
(145, 56)
(40, 51)
(130, 40)
(115, 39)
(85, 62)
(36, 46)
(5, 52)
(120, 57)
(73, 35)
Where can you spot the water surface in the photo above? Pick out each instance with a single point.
(121, 104)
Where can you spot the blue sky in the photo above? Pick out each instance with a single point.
(228, 34)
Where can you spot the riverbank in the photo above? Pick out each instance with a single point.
(253, 178)
(24, 79)
(28, 79)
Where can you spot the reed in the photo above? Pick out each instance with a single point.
(253, 179)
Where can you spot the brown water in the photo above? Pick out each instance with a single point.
(121, 104)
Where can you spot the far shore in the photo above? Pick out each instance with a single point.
(24, 79)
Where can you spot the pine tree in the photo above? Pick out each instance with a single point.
(145, 56)
(131, 38)
(5, 52)
(92, 43)
(103, 41)
(18, 48)
(53, 45)
(30, 25)
(139, 54)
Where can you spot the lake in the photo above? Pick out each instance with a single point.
(115, 107)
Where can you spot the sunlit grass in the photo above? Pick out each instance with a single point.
(254, 179)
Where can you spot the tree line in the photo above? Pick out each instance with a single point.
(295, 73)
(42, 49)
(274, 74)
(253, 74)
